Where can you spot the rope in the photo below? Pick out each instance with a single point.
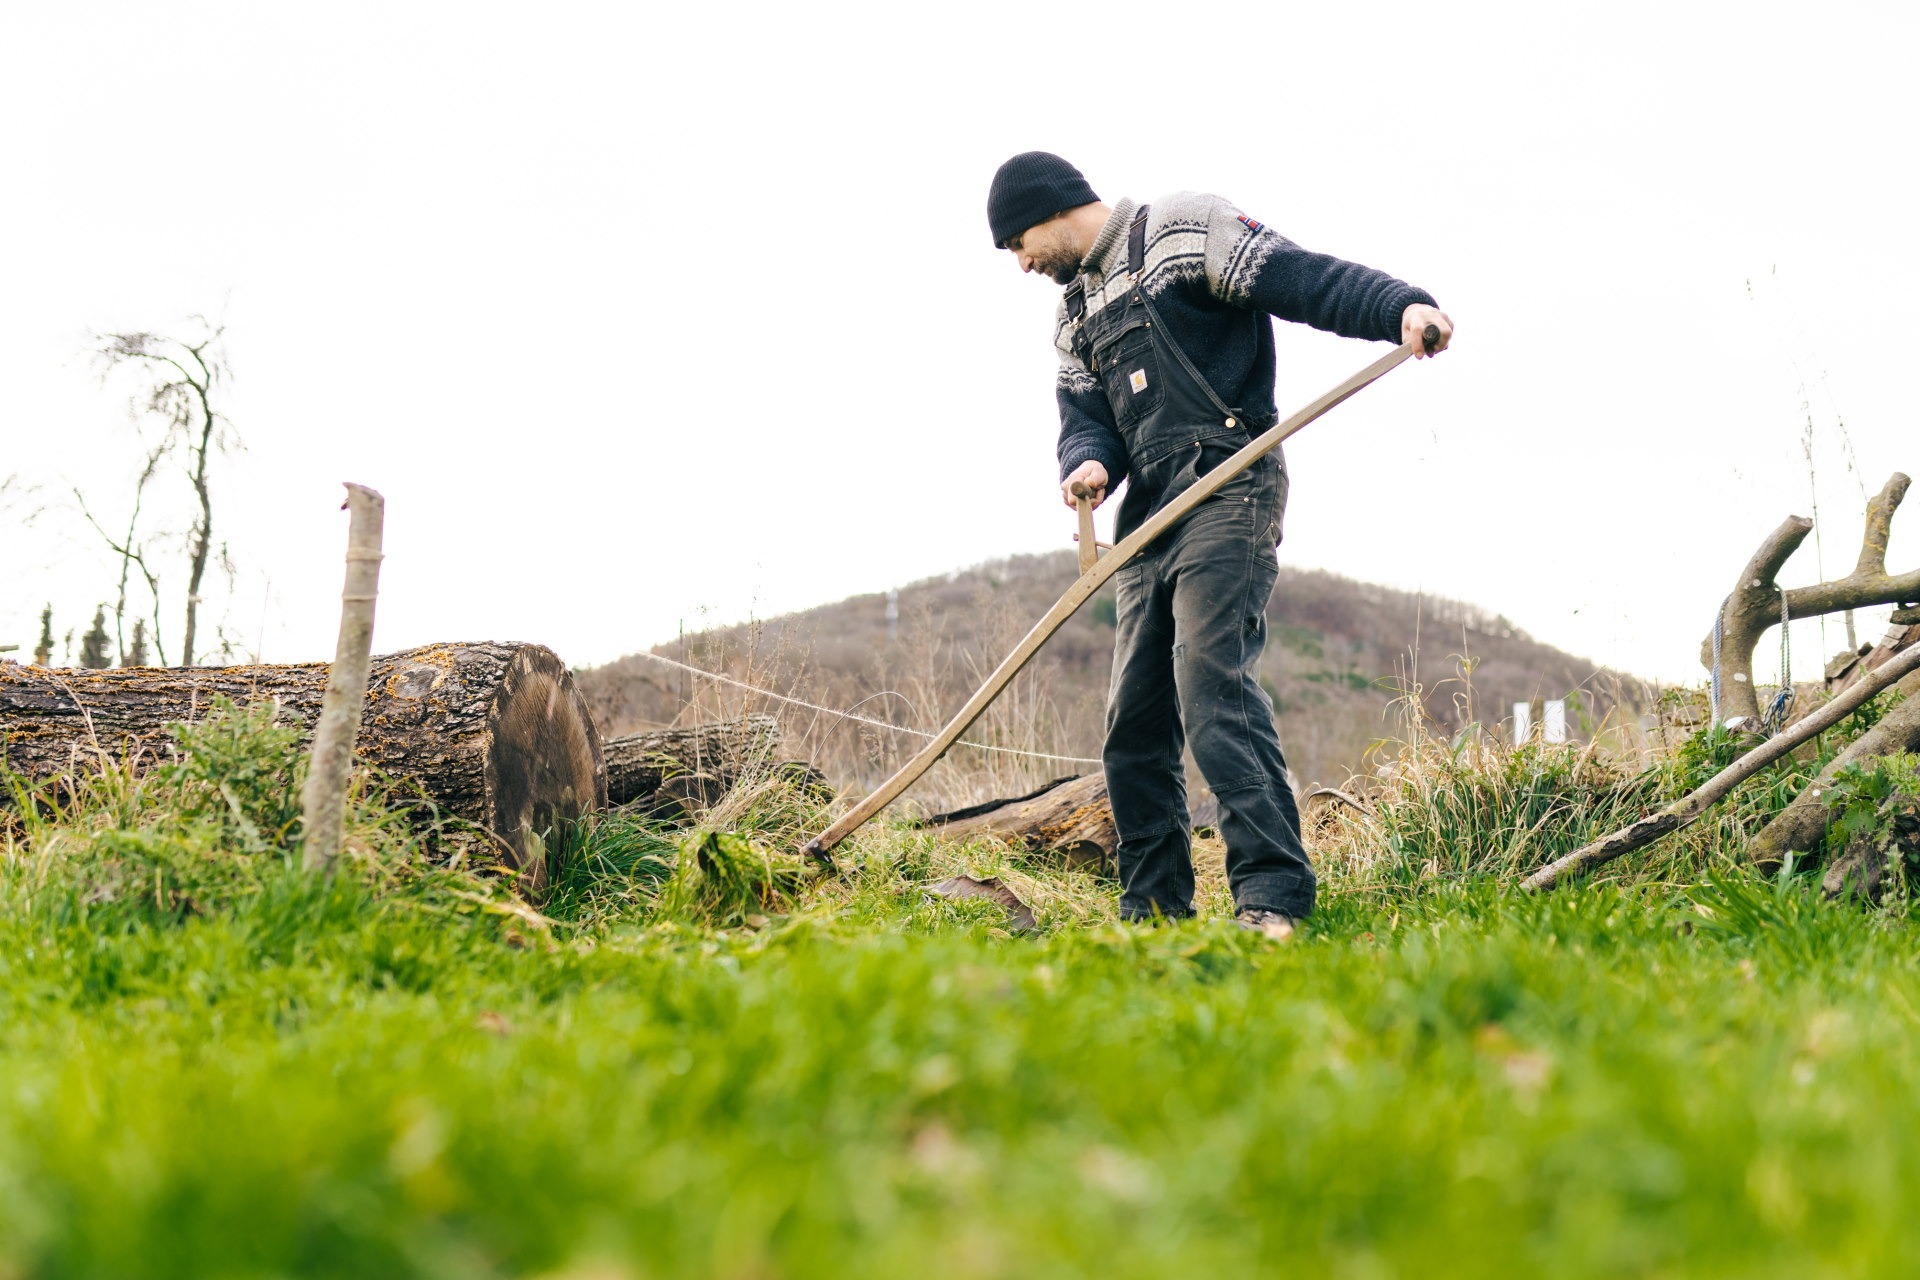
(1774, 718)
(848, 715)
(1713, 687)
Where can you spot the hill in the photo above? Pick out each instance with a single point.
(1340, 655)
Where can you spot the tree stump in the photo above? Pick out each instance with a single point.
(495, 734)
(1072, 817)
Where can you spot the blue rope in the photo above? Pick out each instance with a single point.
(1713, 689)
(1774, 718)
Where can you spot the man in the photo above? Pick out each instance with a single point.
(1167, 368)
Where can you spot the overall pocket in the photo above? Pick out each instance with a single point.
(1129, 372)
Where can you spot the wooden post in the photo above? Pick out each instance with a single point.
(324, 801)
(1522, 723)
(1554, 723)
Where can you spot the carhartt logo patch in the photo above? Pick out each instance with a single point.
(1251, 224)
(1138, 380)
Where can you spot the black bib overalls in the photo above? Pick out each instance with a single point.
(1191, 625)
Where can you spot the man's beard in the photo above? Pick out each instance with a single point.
(1058, 270)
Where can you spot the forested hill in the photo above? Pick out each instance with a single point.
(1338, 656)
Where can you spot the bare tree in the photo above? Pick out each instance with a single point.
(183, 376)
(133, 556)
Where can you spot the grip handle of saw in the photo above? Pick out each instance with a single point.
(1083, 507)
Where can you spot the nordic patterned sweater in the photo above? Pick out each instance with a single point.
(1206, 266)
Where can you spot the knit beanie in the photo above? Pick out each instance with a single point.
(1029, 189)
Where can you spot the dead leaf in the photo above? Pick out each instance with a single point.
(1020, 915)
(493, 1022)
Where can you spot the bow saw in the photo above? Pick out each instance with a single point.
(1095, 569)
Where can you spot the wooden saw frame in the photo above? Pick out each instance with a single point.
(1095, 569)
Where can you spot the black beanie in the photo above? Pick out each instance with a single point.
(1029, 189)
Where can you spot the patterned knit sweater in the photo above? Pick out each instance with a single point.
(1207, 267)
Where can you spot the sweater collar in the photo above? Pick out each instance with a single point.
(1112, 236)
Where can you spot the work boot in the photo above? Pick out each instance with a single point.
(1270, 923)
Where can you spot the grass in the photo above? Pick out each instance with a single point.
(697, 1060)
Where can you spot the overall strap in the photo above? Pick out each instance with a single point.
(1232, 416)
(1136, 262)
(1077, 299)
(1137, 242)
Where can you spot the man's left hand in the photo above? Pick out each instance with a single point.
(1413, 323)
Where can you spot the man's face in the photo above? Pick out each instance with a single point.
(1048, 249)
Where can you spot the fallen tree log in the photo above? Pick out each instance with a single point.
(1071, 816)
(495, 734)
(699, 762)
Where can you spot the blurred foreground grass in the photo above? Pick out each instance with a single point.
(210, 1066)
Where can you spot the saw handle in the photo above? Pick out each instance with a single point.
(1430, 338)
(1083, 505)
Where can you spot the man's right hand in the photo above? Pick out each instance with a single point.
(1090, 474)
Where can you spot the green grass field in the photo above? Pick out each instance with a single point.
(211, 1066)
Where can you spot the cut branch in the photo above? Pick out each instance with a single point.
(1684, 810)
(1873, 547)
(1753, 607)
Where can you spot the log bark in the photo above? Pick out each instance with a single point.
(1802, 825)
(696, 764)
(1071, 817)
(1754, 604)
(1639, 834)
(495, 734)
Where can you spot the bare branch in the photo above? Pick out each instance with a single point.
(15, 492)
(1873, 547)
(1684, 810)
(1754, 605)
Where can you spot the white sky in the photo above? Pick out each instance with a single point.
(640, 315)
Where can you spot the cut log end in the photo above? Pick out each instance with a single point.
(544, 765)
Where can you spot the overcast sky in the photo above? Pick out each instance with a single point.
(641, 316)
